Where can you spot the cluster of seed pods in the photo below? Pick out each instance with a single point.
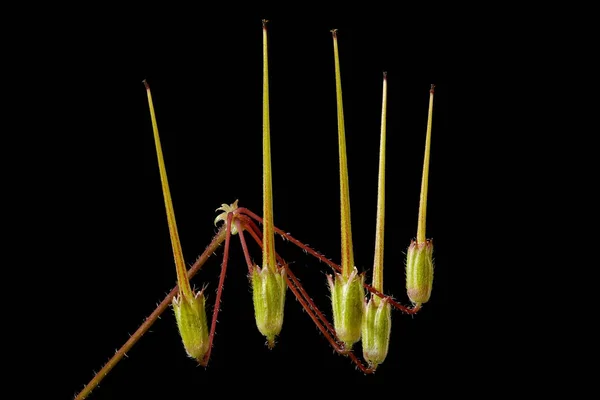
(356, 316)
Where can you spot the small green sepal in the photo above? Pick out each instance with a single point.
(419, 271)
(348, 301)
(190, 314)
(268, 294)
(376, 328)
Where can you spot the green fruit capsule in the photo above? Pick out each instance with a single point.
(268, 293)
(376, 328)
(190, 313)
(419, 271)
(347, 299)
(419, 258)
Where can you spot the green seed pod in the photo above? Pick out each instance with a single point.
(419, 271)
(268, 293)
(376, 328)
(190, 314)
(347, 299)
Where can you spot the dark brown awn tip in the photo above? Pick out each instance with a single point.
(264, 22)
(146, 84)
(385, 75)
(432, 87)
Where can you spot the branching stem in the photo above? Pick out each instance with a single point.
(212, 247)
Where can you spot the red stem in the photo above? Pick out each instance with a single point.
(248, 224)
(307, 303)
(217, 308)
(210, 249)
(258, 238)
(333, 265)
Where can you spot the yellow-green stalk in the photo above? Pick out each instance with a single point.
(377, 320)
(189, 307)
(419, 258)
(269, 282)
(380, 224)
(347, 294)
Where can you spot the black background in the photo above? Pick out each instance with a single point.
(206, 81)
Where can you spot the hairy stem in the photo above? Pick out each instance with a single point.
(212, 247)
(334, 266)
(217, 308)
(307, 303)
